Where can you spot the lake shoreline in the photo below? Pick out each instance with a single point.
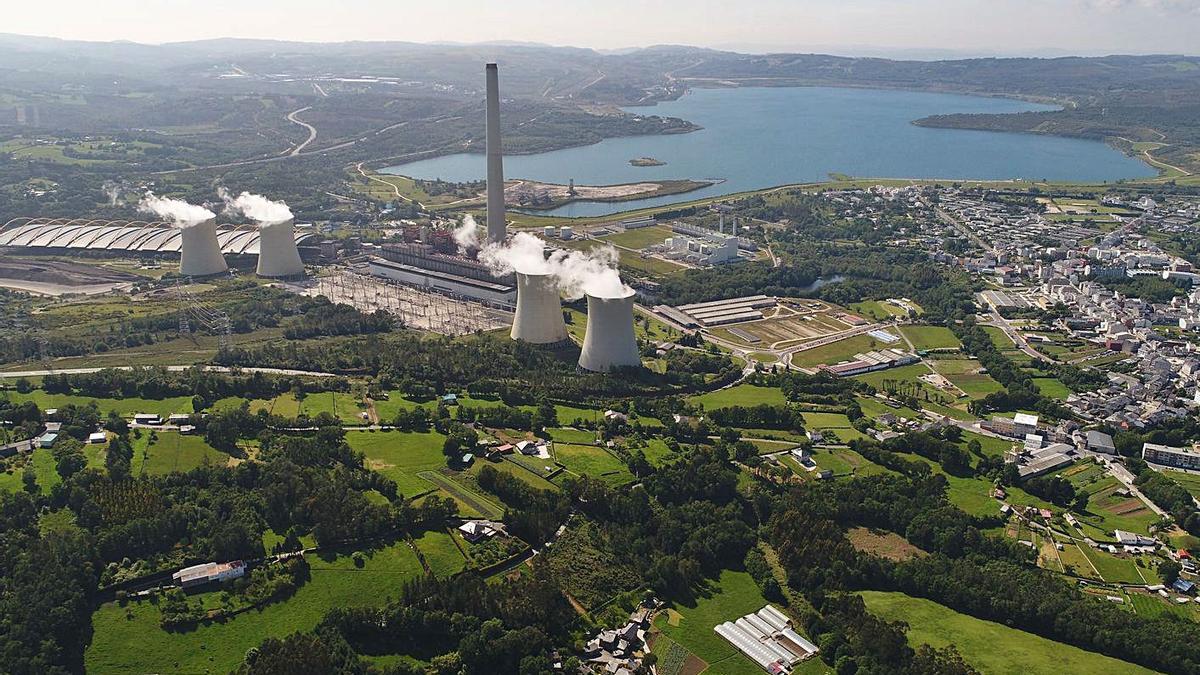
(842, 130)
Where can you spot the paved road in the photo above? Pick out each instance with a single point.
(963, 229)
(312, 131)
(1018, 339)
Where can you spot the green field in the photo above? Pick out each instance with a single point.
(1190, 481)
(172, 451)
(836, 352)
(441, 553)
(592, 461)
(930, 337)
(990, 647)
(1051, 387)
(999, 338)
(742, 394)
(728, 598)
(641, 237)
(878, 309)
(220, 647)
(401, 456)
(340, 405)
(126, 407)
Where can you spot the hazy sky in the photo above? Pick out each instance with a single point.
(972, 26)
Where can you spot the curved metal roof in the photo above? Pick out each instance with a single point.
(138, 236)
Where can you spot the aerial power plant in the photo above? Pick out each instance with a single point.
(277, 253)
(199, 250)
(609, 342)
(539, 317)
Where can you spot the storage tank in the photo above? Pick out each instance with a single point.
(199, 252)
(609, 342)
(277, 252)
(539, 317)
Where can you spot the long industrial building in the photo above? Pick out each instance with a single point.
(129, 236)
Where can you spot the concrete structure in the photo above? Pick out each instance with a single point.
(609, 342)
(497, 228)
(278, 255)
(126, 236)
(1098, 441)
(539, 317)
(1183, 458)
(200, 252)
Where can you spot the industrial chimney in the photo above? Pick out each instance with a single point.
(495, 161)
(277, 252)
(199, 252)
(539, 318)
(609, 342)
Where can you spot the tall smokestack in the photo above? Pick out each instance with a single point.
(495, 160)
(199, 252)
(609, 342)
(539, 318)
(277, 252)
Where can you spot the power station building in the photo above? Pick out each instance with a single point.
(420, 266)
(609, 342)
(417, 264)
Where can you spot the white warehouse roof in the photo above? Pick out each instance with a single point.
(121, 235)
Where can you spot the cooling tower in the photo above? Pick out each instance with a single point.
(609, 342)
(199, 252)
(495, 160)
(277, 253)
(539, 318)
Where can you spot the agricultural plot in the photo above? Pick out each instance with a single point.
(964, 374)
(640, 238)
(401, 456)
(1110, 510)
(793, 328)
(589, 460)
(1052, 387)
(340, 405)
(170, 452)
(691, 626)
(930, 337)
(740, 395)
(989, 647)
(220, 647)
(1190, 481)
(835, 352)
(879, 310)
(440, 553)
(125, 407)
(1152, 605)
(990, 445)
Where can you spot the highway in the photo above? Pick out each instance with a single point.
(312, 131)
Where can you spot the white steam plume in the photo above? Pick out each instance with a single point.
(574, 272)
(256, 207)
(466, 235)
(177, 211)
(112, 191)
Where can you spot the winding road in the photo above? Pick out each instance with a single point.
(312, 131)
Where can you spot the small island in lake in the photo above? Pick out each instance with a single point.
(647, 161)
